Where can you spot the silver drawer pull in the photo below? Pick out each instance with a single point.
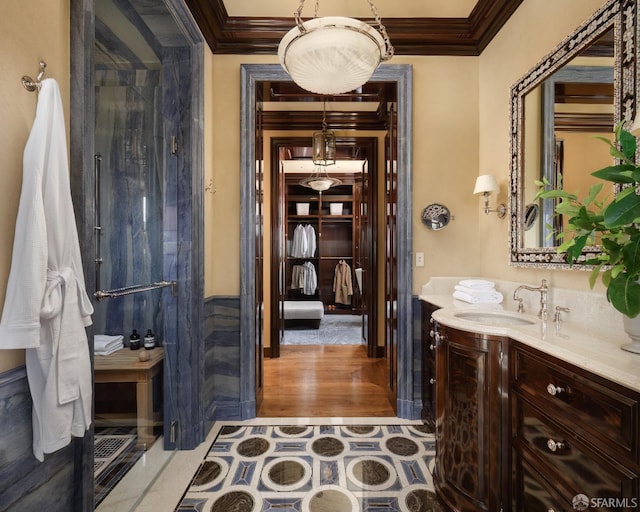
(432, 380)
(439, 337)
(431, 333)
(432, 346)
(554, 446)
(554, 390)
(432, 321)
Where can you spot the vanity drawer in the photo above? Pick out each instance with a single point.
(534, 493)
(562, 453)
(605, 412)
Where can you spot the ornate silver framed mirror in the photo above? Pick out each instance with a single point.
(585, 86)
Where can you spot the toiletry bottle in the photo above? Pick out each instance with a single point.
(134, 340)
(149, 340)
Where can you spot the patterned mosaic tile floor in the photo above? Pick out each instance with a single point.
(328, 468)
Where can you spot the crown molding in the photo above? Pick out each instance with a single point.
(409, 36)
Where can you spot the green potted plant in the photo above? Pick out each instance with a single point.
(612, 223)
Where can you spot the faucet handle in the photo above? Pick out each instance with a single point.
(560, 309)
(558, 319)
(520, 305)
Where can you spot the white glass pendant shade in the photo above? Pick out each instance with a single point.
(324, 148)
(331, 55)
(319, 180)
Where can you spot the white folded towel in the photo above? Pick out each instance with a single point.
(477, 284)
(489, 298)
(476, 292)
(110, 350)
(103, 342)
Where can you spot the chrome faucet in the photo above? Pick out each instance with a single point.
(557, 318)
(543, 289)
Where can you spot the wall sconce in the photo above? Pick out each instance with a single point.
(485, 184)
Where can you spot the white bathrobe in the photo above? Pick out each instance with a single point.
(46, 307)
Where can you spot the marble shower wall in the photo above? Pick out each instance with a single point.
(130, 140)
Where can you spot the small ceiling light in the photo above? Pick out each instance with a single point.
(319, 180)
(485, 184)
(333, 55)
(324, 143)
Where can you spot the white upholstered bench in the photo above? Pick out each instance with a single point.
(303, 313)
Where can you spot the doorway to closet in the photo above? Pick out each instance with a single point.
(321, 276)
(394, 282)
(324, 247)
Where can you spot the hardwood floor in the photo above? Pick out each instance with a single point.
(325, 381)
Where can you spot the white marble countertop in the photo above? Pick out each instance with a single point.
(592, 347)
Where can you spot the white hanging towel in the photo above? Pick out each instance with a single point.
(46, 308)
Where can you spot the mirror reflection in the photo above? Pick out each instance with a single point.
(575, 94)
(562, 116)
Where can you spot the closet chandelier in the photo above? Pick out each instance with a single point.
(319, 179)
(333, 54)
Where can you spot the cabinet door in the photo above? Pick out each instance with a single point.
(428, 366)
(468, 421)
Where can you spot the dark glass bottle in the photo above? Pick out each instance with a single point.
(134, 340)
(149, 340)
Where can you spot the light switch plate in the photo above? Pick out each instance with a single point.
(419, 259)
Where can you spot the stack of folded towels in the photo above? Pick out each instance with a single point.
(103, 345)
(477, 291)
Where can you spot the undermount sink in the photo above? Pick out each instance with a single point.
(499, 318)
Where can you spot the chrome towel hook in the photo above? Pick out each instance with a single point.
(34, 85)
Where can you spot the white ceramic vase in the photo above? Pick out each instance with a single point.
(632, 328)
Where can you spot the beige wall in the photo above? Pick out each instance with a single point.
(529, 35)
(461, 120)
(32, 30)
(461, 130)
(445, 163)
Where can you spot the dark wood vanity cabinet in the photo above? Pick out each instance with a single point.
(472, 380)
(428, 365)
(572, 433)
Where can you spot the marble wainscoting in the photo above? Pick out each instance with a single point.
(221, 391)
(25, 483)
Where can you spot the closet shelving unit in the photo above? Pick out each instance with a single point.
(336, 236)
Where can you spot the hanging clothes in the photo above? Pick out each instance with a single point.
(299, 243)
(304, 277)
(46, 308)
(310, 279)
(304, 242)
(342, 284)
(310, 235)
(297, 277)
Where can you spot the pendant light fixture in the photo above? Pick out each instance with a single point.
(324, 154)
(319, 180)
(324, 142)
(333, 55)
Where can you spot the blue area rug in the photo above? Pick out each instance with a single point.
(334, 330)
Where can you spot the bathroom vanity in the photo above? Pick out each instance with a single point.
(527, 422)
